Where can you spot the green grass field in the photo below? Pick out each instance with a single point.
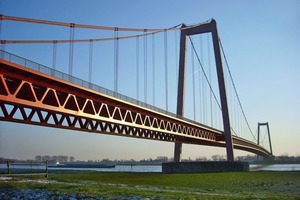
(108, 185)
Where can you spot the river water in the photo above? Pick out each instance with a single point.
(275, 167)
(158, 168)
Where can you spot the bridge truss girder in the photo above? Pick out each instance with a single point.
(31, 97)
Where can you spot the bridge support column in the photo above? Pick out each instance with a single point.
(222, 90)
(204, 28)
(177, 152)
(180, 91)
(258, 136)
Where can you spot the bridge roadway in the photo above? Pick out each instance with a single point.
(33, 97)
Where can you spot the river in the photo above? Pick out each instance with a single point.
(158, 168)
(275, 167)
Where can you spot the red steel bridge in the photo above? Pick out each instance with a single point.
(34, 94)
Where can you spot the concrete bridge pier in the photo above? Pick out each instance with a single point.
(205, 167)
(177, 152)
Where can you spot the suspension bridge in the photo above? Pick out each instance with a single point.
(33, 93)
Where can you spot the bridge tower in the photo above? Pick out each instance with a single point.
(210, 27)
(258, 135)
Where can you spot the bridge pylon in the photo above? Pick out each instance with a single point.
(269, 136)
(210, 27)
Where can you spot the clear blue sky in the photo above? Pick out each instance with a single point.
(262, 45)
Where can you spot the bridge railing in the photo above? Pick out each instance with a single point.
(58, 74)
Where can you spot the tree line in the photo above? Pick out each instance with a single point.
(160, 159)
(57, 158)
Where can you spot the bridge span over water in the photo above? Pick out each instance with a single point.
(34, 94)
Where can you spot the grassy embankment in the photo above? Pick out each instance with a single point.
(238, 185)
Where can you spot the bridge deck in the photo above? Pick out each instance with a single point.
(32, 97)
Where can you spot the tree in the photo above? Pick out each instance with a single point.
(46, 157)
(63, 158)
(201, 158)
(38, 158)
(72, 159)
(162, 158)
(54, 158)
(218, 158)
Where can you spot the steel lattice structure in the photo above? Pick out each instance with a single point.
(31, 97)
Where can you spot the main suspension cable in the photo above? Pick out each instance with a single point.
(108, 28)
(198, 59)
(81, 40)
(85, 26)
(235, 89)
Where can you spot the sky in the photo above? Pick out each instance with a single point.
(261, 43)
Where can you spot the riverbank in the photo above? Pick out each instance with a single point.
(120, 185)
